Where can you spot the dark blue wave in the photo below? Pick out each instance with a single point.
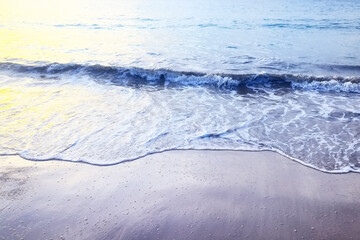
(138, 77)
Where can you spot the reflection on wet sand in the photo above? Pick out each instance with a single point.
(178, 194)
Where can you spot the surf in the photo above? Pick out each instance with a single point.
(169, 78)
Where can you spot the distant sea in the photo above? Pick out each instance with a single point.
(104, 82)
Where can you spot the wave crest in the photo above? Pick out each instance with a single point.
(138, 77)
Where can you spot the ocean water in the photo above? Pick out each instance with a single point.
(105, 82)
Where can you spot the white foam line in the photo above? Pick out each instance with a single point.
(344, 170)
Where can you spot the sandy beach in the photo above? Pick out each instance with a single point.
(177, 195)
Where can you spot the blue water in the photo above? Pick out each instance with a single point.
(105, 82)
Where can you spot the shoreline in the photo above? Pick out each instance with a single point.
(337, 171)
(182, 194)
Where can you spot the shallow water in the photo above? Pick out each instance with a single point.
(112, 81)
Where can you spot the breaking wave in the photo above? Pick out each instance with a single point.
(168, 78)
(105, 115)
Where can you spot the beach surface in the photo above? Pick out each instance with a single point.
(178, 195)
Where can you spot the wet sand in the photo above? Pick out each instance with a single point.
(178, 195)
